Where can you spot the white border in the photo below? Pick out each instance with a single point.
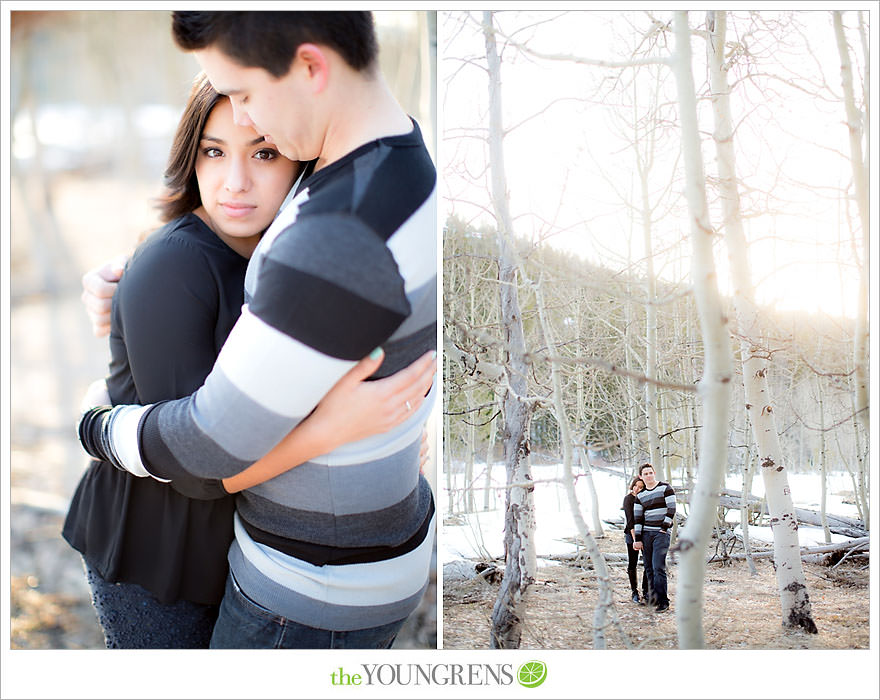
(282, 674)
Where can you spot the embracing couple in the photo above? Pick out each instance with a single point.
(250, 487)
(649, 510)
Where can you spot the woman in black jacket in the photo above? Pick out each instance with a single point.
(629, 528)
(156, 553)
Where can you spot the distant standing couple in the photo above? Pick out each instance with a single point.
(649, 510)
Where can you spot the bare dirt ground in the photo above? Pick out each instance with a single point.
(741, 611)
(50, 606)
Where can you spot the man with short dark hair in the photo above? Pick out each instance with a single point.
(336, 552)
(654, 513)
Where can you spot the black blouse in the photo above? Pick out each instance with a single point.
(629, 502)
(179, 297)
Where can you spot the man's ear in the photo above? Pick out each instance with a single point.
(313, 59)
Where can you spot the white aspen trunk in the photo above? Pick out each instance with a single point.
(490, 459)
(744, 514)
(862, 489)
(644, 161)
(866, 83)
(714, 386)
(510, 607)
(823, 464)
(692, 413)
(447, 457)
(686, 418)
(632, 443)
(447, 449)
(467, 493)
(591, 491)
(747, 472)
(603, 580)
(795, 600)
(650, 335)
(853, 476)
(854, 121)
(581, 421)
(605, 605)
(497, 399)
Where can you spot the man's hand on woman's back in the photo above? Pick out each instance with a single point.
(99, 286)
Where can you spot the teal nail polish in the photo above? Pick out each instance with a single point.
(376, 354)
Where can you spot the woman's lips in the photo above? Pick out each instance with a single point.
(236, 210)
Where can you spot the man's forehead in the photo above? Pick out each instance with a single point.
(225, 75)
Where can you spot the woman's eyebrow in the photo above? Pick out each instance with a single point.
(215, 139)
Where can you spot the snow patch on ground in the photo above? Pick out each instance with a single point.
(481, 534)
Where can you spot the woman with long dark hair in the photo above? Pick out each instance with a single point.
(156, 553)
(635, 486)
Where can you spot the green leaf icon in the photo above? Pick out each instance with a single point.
(531, 674)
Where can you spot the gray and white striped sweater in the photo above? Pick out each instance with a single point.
(654, 509)
(342, 542)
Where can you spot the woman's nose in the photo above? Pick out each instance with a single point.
(237, 177)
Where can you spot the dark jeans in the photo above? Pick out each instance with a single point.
(655, 544)
(133, 619)
(244, 624)
(632, 565)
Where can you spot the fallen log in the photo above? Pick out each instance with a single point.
(807, 516)
(616, 471)
(856, 545)
(832, 558)
(838, 524)
(611, 558)
(467, 569)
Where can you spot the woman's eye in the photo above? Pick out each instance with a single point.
(212, 152)
(266, 154)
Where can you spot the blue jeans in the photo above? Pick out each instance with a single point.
(244, 624)
(654, 547)
(132, 618)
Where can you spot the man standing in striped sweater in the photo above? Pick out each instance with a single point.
(654, 512)
(335, 553)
